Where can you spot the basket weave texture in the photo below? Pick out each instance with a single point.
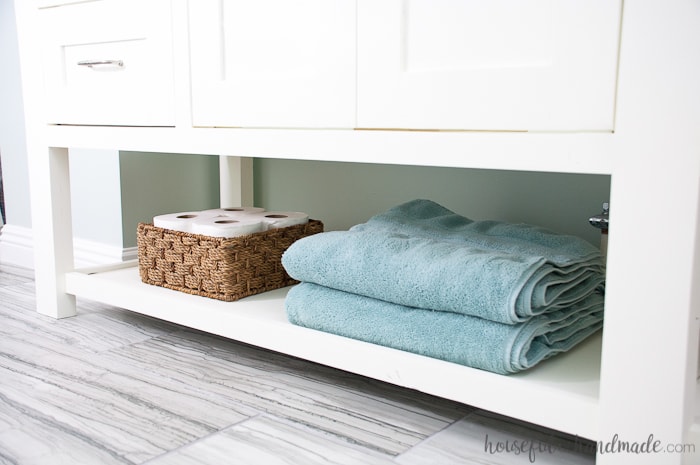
(226, 269)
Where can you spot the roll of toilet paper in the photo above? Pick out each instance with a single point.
(179, 221)
(235, 211)
(274, 220)
(227, 226)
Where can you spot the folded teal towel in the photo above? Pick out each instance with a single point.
(467, 340)
(421, 254)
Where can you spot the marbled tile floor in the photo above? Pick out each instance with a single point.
(113, 387)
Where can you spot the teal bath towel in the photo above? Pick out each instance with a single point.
(475, 342)
(423, 255)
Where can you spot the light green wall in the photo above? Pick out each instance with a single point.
(344, 194)
(155, 184)
(96, 196)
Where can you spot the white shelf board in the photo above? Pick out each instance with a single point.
(560, 393)
(584, 152)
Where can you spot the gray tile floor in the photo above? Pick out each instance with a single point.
(113, 387)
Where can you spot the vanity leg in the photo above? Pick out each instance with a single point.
(236, 181)
(52, 230)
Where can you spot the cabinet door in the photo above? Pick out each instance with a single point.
(487, 64)
(109, 62)
(273, 63)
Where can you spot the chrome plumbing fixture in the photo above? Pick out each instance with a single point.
(601, 221)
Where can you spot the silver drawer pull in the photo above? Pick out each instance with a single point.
(91, 63)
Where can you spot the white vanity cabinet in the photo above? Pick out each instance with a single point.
(487, 65)
(109, 62)
(542, 89)
(273, 63)
(421, 64)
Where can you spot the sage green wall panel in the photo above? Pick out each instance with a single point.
(96, 196)
(344, 194)
(155, 184)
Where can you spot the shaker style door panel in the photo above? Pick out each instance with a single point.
(488, 64)
(109, 62)
(273, 63)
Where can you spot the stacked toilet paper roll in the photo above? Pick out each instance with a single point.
(274, 220)
(235, 211)
(227, 226)
(179, 221)
(229, 222)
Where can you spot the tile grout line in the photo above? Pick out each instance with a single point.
(200, 439)
(428, 438)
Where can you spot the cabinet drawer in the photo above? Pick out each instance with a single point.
(109, 63)
(488, 64)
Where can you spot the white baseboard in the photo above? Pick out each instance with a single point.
(90, 253)
(17, 248)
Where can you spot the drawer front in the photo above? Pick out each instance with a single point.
(109, 63)
(488, 65)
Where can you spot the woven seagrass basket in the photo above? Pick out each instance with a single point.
(226, 269)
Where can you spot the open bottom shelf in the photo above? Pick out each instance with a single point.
(560, 393)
